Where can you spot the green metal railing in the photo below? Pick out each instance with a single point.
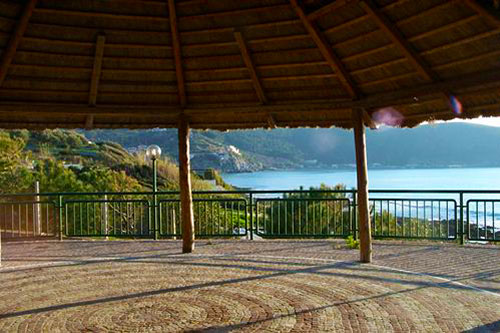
(213, 217)
(118, 218)
(414, 218)
(28, 218)
(303, 217)
(481, 224)
(410, 214)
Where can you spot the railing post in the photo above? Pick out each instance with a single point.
(37, 212)
(155, 199)
(60, 210)
(251, 215)
(354, 215)
(105, 216)
(461, 228)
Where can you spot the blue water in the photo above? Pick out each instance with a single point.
(393, 179)
(424, 179)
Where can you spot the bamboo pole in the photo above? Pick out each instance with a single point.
(365, 237)
(187, 218)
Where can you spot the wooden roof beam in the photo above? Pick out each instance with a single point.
(96, 72)
(326, 50)
(250, 66)
(271, 121)
(89, 122)
(177, 53)
(387, 26)
(15, 39)
(469, 84)
(328, 9)
(368, 120)
(494, 19)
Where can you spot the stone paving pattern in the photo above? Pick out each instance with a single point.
(239, 285)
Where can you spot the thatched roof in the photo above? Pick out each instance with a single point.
(244, 64)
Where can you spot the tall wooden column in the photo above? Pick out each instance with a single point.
(187, 218)
(365, 234)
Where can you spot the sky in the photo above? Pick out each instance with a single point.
(489, 121)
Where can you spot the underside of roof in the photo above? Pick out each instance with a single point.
(229, 64)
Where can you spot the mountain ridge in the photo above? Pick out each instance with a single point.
(433, 145)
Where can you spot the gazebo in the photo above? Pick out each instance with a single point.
(224, 64)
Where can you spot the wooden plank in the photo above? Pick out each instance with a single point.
(15, 39)
(365, 237)
(327, 52)
(328, 9)
(251, 67)
(387, 26)
(177, 53)
(187, 217)
(492, 18)
(96, 72)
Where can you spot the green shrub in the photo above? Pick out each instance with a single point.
(352, 243)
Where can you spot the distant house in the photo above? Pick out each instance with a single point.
(73, 165)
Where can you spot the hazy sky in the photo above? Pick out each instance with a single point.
(490, 121)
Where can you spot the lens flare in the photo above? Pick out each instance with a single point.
(456, 106)
(388, 116)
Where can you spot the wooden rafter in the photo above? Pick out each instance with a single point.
(327, 51)
(328, 9)
(251, 67)
(470, 84)
(177, 53)
(368, 120)
(96, 72)
(271, 121)
(15, 39)
(484, 12)
(89, 122)
(386, 25)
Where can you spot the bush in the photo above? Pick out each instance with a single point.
(352, 243)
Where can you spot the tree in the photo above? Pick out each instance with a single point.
(107, 180)
(15, 175)
(54, 177)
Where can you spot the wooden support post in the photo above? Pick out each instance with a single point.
(187, 218)
(365, 234)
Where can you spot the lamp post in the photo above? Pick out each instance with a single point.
(153, 152)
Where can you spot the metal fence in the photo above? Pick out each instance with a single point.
(414, 218)
(303, 217)
(21, 218)
(410, 214)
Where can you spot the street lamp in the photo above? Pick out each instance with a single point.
(153, 152)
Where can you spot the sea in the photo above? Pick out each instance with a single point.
(391, 179)
(482, 208)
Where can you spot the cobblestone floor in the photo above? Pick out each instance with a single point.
(237, 285)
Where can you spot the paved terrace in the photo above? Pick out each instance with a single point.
(247, 286)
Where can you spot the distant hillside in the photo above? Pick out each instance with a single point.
(438, 145)
(65, 160)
